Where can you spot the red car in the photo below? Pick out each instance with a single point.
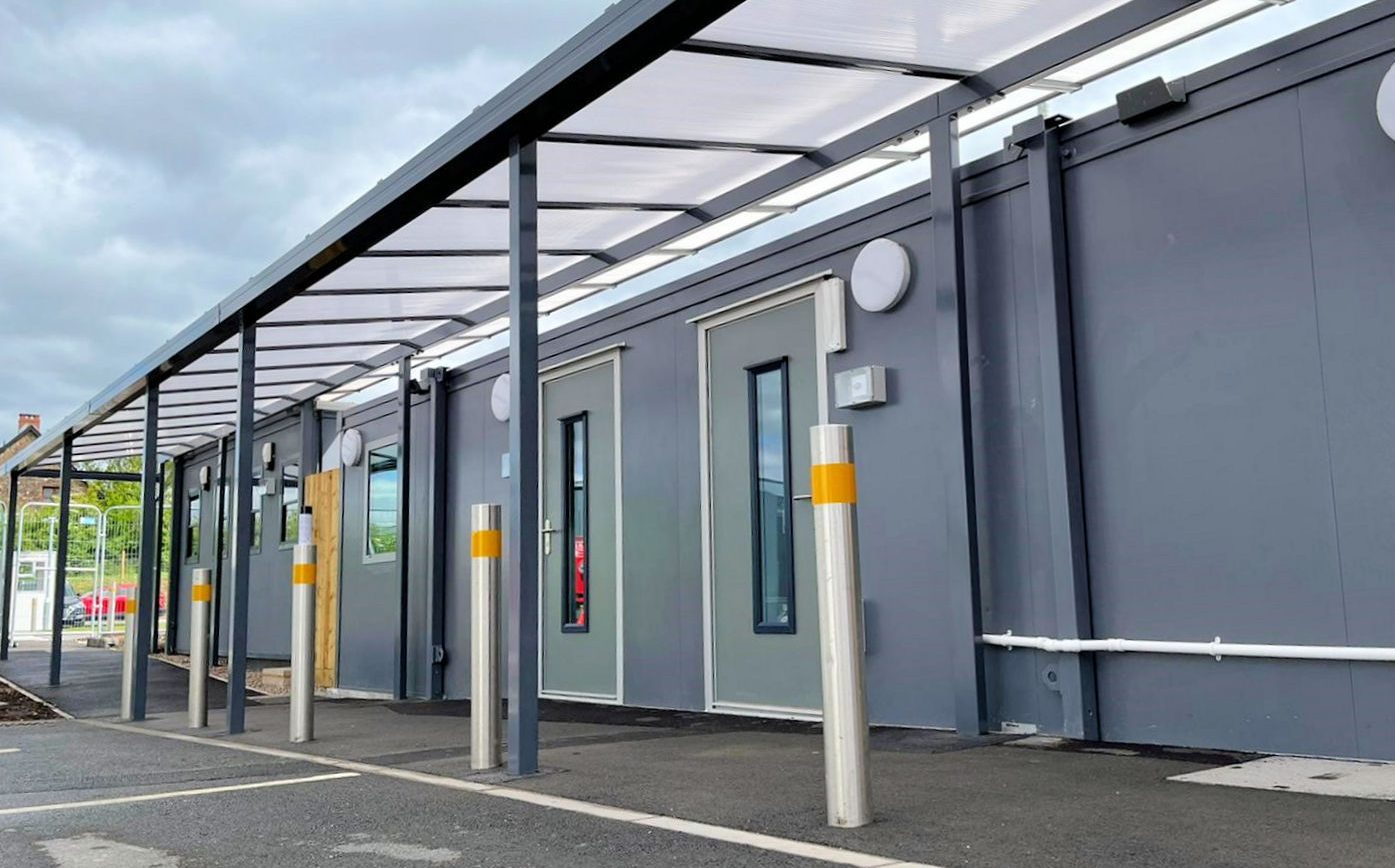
(93, 606)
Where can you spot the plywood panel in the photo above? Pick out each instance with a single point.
(322, 494)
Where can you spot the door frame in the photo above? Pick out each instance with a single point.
(585, 362)
(827, 292)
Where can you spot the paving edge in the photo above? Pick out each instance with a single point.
(756, 840)
(39, 699)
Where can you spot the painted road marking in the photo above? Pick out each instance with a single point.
(773, 843)
(9, 750)
(174, 794)
(1290, 774)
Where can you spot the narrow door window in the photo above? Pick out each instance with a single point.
(772, 525)
(258, 496)
(227, 516)
(576, 571)
(192, 531)
(290, 504)
(382, 501)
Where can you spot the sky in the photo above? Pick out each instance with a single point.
(155, 154)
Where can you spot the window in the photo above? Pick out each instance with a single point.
(193, 535)
(290, 504)
(576, 490)
(227, 517)
(258, 495)
(382, 501)
(772, 525)
(50, 493)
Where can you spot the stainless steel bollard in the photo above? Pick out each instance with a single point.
(845, 750)
(486, 705)
(303, 633)
(200, 604)
(128, 661)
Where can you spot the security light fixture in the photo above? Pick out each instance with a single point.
(499, 398)
(1385, 103)
(351, 447)
(880, 275)
(268, 455)
(205, 477)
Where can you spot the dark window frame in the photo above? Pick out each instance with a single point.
(758, 623)
(290, 471)
(569, 427)
(193, 525)
(369, 556)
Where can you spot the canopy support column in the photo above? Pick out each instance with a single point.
(173, 596)
(220, 553)
(956, 445)
(178, 521)
(147, 591)
(404, 521)
(522, 555)
(60, 565)
(440, 406)
(7, 586)
(241, 525)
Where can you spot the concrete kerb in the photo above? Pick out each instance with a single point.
(39, 699)
(789, 846)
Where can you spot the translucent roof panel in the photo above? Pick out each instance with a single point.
(346, 352)
(391, 272)
(617, 173)
(691, 97)
(385, 305)
(964, 34)
(329, 334)
(488, 228)
(228, 379)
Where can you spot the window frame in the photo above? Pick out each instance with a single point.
(368, 450)
(193, 530)
(258, 512)
(569, 425)
(283, 523)
(753, 372)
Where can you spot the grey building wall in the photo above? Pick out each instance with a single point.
(269, 602)
(1230, 269)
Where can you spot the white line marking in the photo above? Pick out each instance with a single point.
(9, 750)
(755, 840)
(174, 794)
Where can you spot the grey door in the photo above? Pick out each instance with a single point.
(763, 398)
(579, 557)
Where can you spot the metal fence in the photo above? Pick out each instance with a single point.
(103, 567)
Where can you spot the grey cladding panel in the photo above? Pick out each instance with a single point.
(1207, 485)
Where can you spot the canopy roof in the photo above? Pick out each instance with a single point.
(664, 127)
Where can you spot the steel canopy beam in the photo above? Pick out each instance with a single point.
(816, 58)
(465, 253)
(573, 138)
(562, 205)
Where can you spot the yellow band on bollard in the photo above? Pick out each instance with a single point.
(303, 574)
(486, 544)
(833, 483)
(131, 605)
(202, 594)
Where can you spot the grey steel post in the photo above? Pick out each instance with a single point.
(303, 632)
(148, 586)
(1070, 570)
(847, 775)
(178, 520)
(955, 443)
(404, 524)
(11, 546)
(240, 564)
(486, 706)
(219, 551)
(523, 458)
(60, 566)
(130, 648)
(200, 604)
(439, 497)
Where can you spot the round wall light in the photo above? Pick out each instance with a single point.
(351, 447)
(880, 275)
(499, 398)
(1385, 103)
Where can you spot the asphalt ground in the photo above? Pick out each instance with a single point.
(938, 799)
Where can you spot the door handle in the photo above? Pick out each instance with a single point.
(803, 497)
(547, 531)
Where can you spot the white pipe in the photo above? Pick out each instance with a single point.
(1215, 648)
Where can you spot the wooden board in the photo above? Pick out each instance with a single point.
(322, 494)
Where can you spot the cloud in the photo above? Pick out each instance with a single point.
(153, 155)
